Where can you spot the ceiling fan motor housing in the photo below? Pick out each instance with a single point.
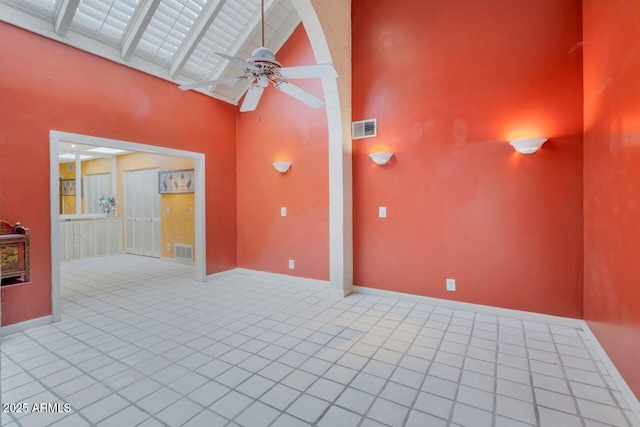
(263, 55)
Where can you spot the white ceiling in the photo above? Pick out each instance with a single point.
(172, 39)
(68, 151)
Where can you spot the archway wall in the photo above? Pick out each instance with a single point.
(328, 26)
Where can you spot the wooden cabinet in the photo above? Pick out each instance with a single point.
(14, 253)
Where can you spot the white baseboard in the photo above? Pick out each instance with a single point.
(622, 385)
(222, 273)
(27, 324)
(181, 261)
(286, 277)
(485, 309)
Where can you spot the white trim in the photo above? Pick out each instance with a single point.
(200, 219)
(55, 137)
(179, 261)
(340, 162)
(623, 387)
(222, 273)
(23, 326)
(83, 216)
(268, 275)
(485, 309)
(54, 190)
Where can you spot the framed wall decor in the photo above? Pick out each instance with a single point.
(68, 187)
(176, 181)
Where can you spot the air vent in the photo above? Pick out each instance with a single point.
(184, 252)
(364, 129)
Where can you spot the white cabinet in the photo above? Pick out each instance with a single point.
(142, 213)
(90, 238)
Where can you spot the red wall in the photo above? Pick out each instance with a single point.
(46, 85)
(611, 177)
(283, 129)
(450, 82)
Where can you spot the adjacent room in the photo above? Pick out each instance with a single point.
(333, 213)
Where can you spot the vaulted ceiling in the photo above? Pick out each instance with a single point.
(175, 40)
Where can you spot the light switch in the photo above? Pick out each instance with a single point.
(382, 211)
(283, 211)
(291, 264)
(191, 209)
(168, 209)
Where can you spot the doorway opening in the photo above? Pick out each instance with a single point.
(130, 208)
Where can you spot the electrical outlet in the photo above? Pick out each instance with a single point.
(283, 211)
(382, 211)
(168, 247)
(291, 264)
(451, 285)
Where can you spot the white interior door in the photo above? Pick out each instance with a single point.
(142, 213)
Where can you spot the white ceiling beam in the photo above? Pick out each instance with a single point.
(28, 21)
(190, 43)
(64, 16)
(137, 26)
(276, 41)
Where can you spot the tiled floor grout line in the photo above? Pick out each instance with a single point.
(202, 313)
(406, 418)
(532, 386)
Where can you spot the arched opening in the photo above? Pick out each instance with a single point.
(337, 95)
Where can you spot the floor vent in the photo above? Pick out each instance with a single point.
(364, 129)
(184, 252)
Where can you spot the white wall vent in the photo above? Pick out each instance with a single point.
(184, 252)
(364, 129)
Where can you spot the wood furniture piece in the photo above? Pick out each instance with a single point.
(15, 267)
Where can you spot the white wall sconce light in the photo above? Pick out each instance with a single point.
(528, 145)
(380, 158)
(282, 167)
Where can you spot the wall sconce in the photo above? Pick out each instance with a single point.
(282, 167)
(380, 158)
(528, 145)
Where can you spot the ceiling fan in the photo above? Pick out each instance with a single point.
(262, 69)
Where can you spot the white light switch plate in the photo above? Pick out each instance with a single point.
(451, 285)
(283, 211)
(382, 211)
(291, 264)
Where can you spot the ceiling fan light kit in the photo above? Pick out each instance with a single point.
(263, 68)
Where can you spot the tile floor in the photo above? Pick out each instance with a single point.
(142, 344)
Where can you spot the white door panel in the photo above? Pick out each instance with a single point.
(142, 213)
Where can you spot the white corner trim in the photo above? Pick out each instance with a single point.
(485, 309)
(623, 387)
(27, 324)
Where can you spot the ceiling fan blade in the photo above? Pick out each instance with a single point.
(212, 82)
(300, 94)
(239, 61)
(308, 71)
(252, 98)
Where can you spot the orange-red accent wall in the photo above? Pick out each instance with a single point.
(283, 129)
(451, 82)
(46, 85)
(611, 180)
